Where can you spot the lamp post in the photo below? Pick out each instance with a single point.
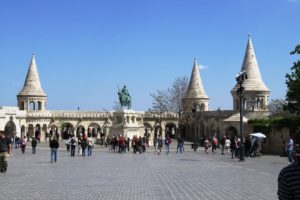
(240, 78)
(194, 111)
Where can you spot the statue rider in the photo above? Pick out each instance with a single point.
(125, 91)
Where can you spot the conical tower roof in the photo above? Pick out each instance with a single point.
(32, 85)
(195, 89)
(254, 81)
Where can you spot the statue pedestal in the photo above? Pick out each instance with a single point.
(128, 123)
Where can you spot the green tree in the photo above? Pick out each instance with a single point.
(293, 86)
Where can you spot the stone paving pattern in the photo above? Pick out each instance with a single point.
(106, 175)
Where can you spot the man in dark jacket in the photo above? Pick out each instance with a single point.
(54, 144)
(289, 180)
(5, 151)
(33, 144)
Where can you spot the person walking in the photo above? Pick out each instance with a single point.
(73, 146)
(79, 146)
(233, 146)
(167, 143)
(179, 144)
(290, 146)
(289, 180)
(90, 143)
(214, 144)
(23, 144)
(5, 151)
(83, 146)
(222, 144)
(227, 144)
(159, 144)
(206, 145)
(33, 145)
(54, 145)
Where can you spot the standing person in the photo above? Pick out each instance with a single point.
(23, 144)
(167, 143)
(83, 146)
(79, 146)
(179, 144)
(33, 145)
(159, 144)
(90, 143)
(227, 144)
(206, 145)
(290, 145)
(73, 146)
(233, 146)
(5, 151)
(128, 144)
(289, 180)
(222, 143)
(214, 144)
(155, 143)
(54, 144)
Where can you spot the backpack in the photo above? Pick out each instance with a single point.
(73, 142)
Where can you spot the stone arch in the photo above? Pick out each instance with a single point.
(30, 132)
(171, 129)
(231, 132)
(80, 130)
(37, 132)
(31, 105)
(39, 105)
(10, 129)
(53, 131)
(157, 129)
(67, 130)
(93, 129)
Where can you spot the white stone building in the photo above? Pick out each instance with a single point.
(31, 116)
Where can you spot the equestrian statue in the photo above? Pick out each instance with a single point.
(124, 97)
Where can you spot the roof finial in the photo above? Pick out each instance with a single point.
(195, 60)
(249, 35)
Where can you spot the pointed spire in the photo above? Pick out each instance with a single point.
(32, 85)
(254, 81)
(195, 88)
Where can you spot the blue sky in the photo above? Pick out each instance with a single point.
(85, 49)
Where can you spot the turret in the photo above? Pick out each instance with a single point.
(195, 94)
(256, 93)
(32, 97)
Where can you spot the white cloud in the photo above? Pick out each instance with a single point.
(202, 67)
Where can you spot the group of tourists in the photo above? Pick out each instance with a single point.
(83, 143)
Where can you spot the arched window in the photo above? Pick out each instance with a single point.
(39, 105)
(31, 105)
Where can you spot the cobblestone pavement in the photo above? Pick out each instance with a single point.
(106, 175)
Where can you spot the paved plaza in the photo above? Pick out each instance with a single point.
(106, 175)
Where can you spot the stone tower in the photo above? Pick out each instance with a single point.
(32, 97)
(195, 94)
(255, 91)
